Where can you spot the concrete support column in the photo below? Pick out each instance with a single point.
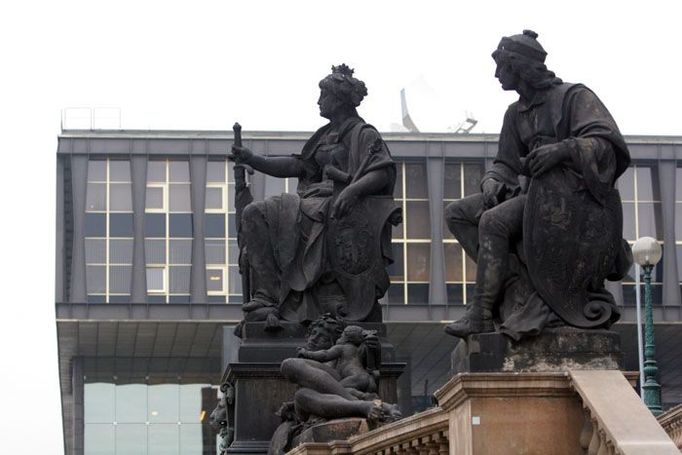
(79, 179)
(197, 169)
(77, 390)
(667, 171)
(138, 164)
(435, 169)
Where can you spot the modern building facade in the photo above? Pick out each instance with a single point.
(147, 284)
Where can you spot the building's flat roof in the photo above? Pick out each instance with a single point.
(302, 135)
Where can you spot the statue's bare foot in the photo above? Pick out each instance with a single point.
(382, 412)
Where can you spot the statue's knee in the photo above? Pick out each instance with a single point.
(454, 212)
(289, 367)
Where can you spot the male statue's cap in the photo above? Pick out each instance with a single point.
(525, 44)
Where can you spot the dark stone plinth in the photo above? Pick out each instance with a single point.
(334, 430)
(260, 389)
(558, 349)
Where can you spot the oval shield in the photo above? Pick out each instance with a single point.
(571, 242)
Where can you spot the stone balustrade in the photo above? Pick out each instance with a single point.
(671, 421)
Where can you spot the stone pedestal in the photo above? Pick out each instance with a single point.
(560, 349)
(260, 389)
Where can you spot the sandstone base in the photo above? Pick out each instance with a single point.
(560, 349)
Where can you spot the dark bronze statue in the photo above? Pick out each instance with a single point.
(325, 248)
(337, 374)
(546, 231)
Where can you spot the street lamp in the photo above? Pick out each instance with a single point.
(647, 252)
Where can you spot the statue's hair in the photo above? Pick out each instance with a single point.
(330, 324)
(533, 72)
(344, 86)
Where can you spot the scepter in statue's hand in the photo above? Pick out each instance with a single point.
(240, 156)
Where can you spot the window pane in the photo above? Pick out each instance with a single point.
(120, 197)
(235, 280)
(131, 439)
(155, 251)
(678, 184)
(98, 402)
(95, 251)
(96, 199)
(180, 252)
(215, 171)
(650, 223)
(121, 251)
(231, 195)
(156, 171)
(473, 173)
(214, 280)
(179, 198)
(273, 186)
(629, 221)
(163, 403)
(95, 277)
(232, 226)
(396, 294)
(418, 294)
(154, 225)
(121, 224)
(195, 398)
(418, 261)
(626, 185)
(395, 270)
(95, 225)
(215, 225)
(99, 439)
(418, 220)
(180, 225)
(131, 403)
(191, 439)
(215, 252)
(164, 439)
(155, 279)
(455, 294)
(452, 182)
(179, 277)
(179, 171)
(453, 263)
(154, 198)
(119, 171)
(415, 180)
(97, 171)
(119, 279)
(645, 189)
(214, 198)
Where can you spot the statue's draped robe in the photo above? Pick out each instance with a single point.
(573, 115)
(298, 222)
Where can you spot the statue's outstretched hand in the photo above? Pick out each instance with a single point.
(240, 154)
(545, 157)
(301, 352)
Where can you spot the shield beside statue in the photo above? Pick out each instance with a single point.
(358, 246)
(571, 242)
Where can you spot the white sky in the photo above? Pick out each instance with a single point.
(205, 65)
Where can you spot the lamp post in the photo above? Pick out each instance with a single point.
(647, 252)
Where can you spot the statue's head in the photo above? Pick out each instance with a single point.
(352, 334)
(522, 58)
(340, 92)
(324, 332)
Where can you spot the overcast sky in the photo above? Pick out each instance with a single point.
(205, 65)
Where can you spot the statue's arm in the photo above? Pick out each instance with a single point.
(277, 166)
(324, 355)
